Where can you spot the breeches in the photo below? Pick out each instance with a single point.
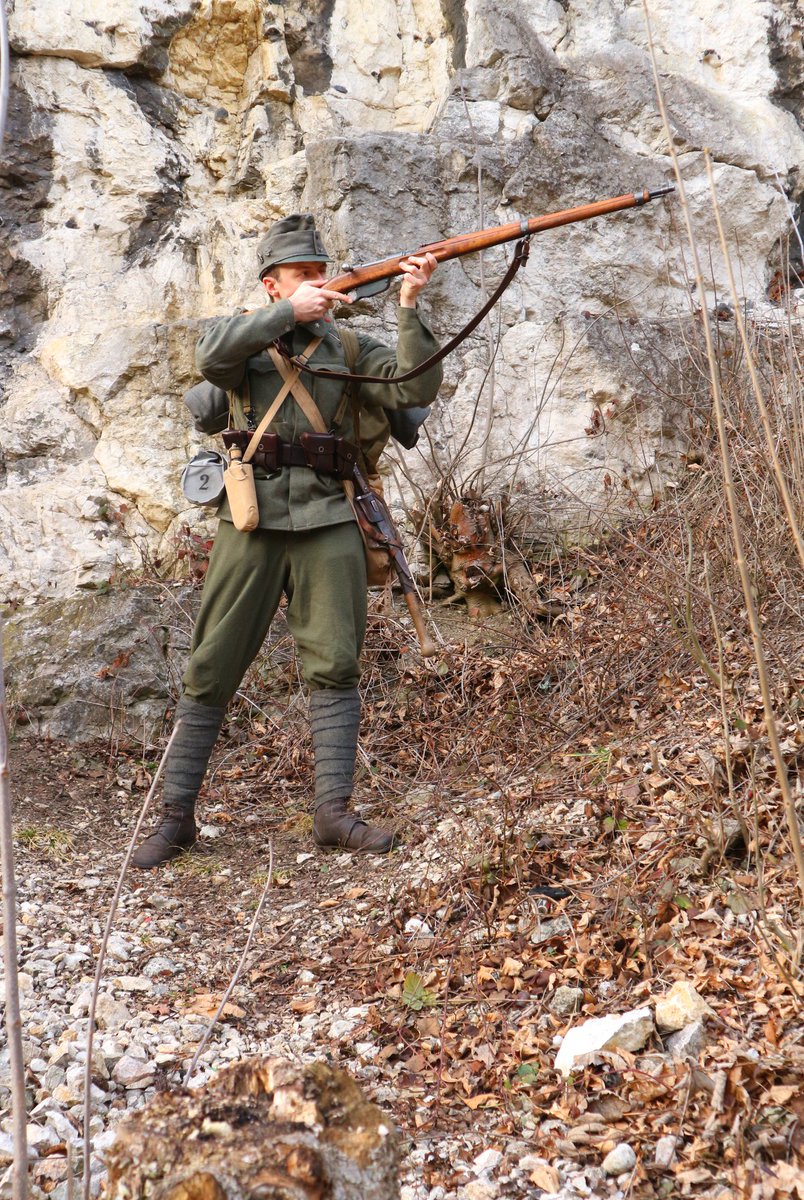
(323, 574)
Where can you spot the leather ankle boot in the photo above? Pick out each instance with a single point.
(175, 832)
(334, 826)
(183, 774)
(334, 721)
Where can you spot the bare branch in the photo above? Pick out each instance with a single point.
(13, 1018)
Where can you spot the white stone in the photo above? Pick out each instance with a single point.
(582, 1044)
(64, 1128)
(665, 1152)
(109, 1012)
(487, 1162)
(681, 1006)
(160, 964)
(565, 1000)
(688, 1042)
(133, 983)
(41, 1137)
(418, 927)
(341, 1029)
(104, 1141)
(133, 1072)
(622, 1158)
(117, 948)
(479, 1189)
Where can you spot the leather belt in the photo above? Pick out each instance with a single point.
(324, 453)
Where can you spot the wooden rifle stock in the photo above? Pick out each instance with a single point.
(373, 277)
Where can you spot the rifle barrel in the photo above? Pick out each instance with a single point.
(470, 243)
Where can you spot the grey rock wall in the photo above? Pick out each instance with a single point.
(152, 141)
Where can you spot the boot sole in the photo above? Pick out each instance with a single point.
(331, 846)
(175, 852)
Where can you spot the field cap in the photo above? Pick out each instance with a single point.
(293, 239)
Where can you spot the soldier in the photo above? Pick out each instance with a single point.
(307, 545)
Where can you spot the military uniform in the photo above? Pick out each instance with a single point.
(307, 545)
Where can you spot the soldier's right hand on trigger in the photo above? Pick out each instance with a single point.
(313, 300)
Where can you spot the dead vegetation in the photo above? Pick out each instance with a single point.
(619, 752)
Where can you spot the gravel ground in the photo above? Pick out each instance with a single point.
(176, 941)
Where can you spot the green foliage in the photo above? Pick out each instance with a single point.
(526, 1074)
(53, 843)
(415, 995)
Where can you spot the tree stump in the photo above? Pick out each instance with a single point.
(263, 1129)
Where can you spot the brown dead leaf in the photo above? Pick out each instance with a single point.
(486, 1100)
(206, 1004)
(780, 1094)
(304, 1004)
(545, 1177)
(486, 1054)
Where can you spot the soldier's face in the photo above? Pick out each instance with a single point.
(284, 280)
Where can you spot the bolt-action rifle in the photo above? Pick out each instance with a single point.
(371, 278)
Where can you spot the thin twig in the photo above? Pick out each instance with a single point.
(102, 955)
(490, 379)
(13, 1017)
(238, 970)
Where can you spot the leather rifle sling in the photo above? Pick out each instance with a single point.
(520, 258)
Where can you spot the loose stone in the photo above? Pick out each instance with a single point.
(622, 1158)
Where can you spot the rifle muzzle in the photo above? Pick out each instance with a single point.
(649, 194)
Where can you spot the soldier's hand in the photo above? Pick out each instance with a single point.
(314, 300)
(417, 269)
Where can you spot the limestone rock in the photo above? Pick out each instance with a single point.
(149, 147)
(665, 1151)
(286, 1131)
(565, 1000)
(688, 1042)
(129, 34)
(110, 1013)
(582, 1045)
(681, 1006)
(133, 1072)
(106, 659)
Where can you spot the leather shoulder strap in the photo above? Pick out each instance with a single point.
(291, 379)
(351, 353)
(300, 394)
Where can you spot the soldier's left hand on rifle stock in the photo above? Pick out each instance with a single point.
(417, 270)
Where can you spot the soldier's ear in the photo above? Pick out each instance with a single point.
(270, 285)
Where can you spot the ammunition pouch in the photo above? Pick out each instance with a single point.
(329, 455)
(321, 452)
(267, 454)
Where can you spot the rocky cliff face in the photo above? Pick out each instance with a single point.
(152, 141)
